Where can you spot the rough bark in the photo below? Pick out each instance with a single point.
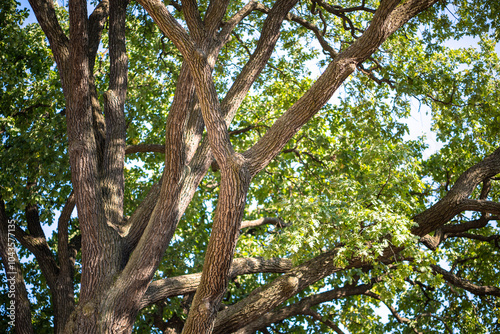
(302, 307)
(276, 292)
(121, 256)
(480, 290)
(180, 285)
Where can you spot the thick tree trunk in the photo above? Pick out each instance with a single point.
(119, 261)
(235, 181)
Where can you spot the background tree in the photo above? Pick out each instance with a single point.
(220, 188)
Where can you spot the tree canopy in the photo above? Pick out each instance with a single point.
(242, 167)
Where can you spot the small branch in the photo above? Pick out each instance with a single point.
(399, 318)
(141, 148)
(229, 26)
(62, 233)
(327, 49)
(329, 323)
(484, 238)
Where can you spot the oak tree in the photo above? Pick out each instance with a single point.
(241, 167)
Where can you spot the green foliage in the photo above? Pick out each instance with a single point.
(350, 179)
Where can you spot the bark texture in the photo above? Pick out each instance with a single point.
(119, 255)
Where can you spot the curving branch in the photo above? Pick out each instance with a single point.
(302, 307)
(96, 24)
(456, 200)
(399, 318)
(41, 250)
(327, 49)
(230, 24)
(454, 230)
(46, 16)
(180, 285)
(276, 292)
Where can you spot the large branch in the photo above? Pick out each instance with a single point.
(302, 307)
(387, 19)
(200, 163)
(215, 13)
(480, 290)
(112, 173)
(59, 43)
(480, 205)
(193, 19)
(201, 72)
(202, 158)
(41, 250)
(264, 299)
(284, 287)
(96, 24)
(82, 149)
(456, 200)
(269, 36)
(174, 286)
